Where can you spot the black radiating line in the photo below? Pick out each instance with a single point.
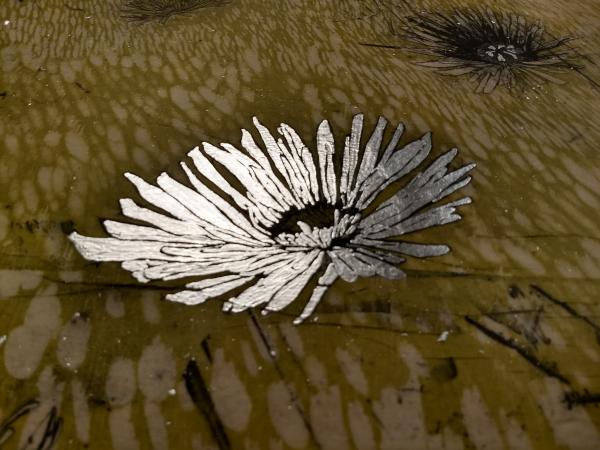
(198, 391)
(545, 367)
(564, 305)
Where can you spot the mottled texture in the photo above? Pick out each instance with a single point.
(87, 93)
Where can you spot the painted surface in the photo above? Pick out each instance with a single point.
(495, 345)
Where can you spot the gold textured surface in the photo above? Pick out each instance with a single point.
(88, 95)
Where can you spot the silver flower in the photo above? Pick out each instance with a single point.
(279, 219)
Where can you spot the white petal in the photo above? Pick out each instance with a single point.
(232, 214)
(128, 231)
(324, 282)
(325, 150)
(110, 249)
(282, 192)
(161, 199)
(200, 294)
(266, 288)
(199, 205)
(274, 152)
(351, 153)
(369, 158)
(288, 293)
(240, 166)
(394, 168)
(205, 167)
(304, 159)
(189, 230)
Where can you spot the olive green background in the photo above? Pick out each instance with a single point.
(89, 96)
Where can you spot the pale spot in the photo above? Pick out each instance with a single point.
(360, 427)
(52, 138)
(181, 98)
(67, 71)
(12, 281)
(327, 420)
(515, 433)
(292, 338)
(285, 417)
(122, 431)
(25, 345)
(351, 367)
(249, 359)
(156, 426)
(150, 311)
(11, 143)
(77, 146)
(399, 410)
(120, 382)
(185, 401)
(156, 371)
(479, 423)
(30, 196)
(317, 375)
(114, 305)
(81, 411)
(116, 142)
(232, 401)
(73, 341)
(523, 257)
(572, 428)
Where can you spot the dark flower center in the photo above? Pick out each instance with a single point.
(498, 53)
(319, 215)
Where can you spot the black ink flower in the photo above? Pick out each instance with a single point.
(163, 10)
(494, 48)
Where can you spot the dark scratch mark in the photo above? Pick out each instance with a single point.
(53, 427)
(6, 429)
(388, 46)
(568, 308)
(272, 354)
(52, 424)
(80, 86)
(515, 291)
(199, 394)
(575, 398)
(529, 330)
(206, 348)
(107, 285)
(548, 368)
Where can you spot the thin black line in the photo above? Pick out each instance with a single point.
(198, 391)
(564, 305)
(576, 398)
(388, 46)
(271, 352)
(546, 367)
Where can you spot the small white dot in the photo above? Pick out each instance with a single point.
(7, 22)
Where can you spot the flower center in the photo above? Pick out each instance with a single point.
(499, 53)
(317, 226)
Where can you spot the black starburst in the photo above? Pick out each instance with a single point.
(163, 10)
(496, 49)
